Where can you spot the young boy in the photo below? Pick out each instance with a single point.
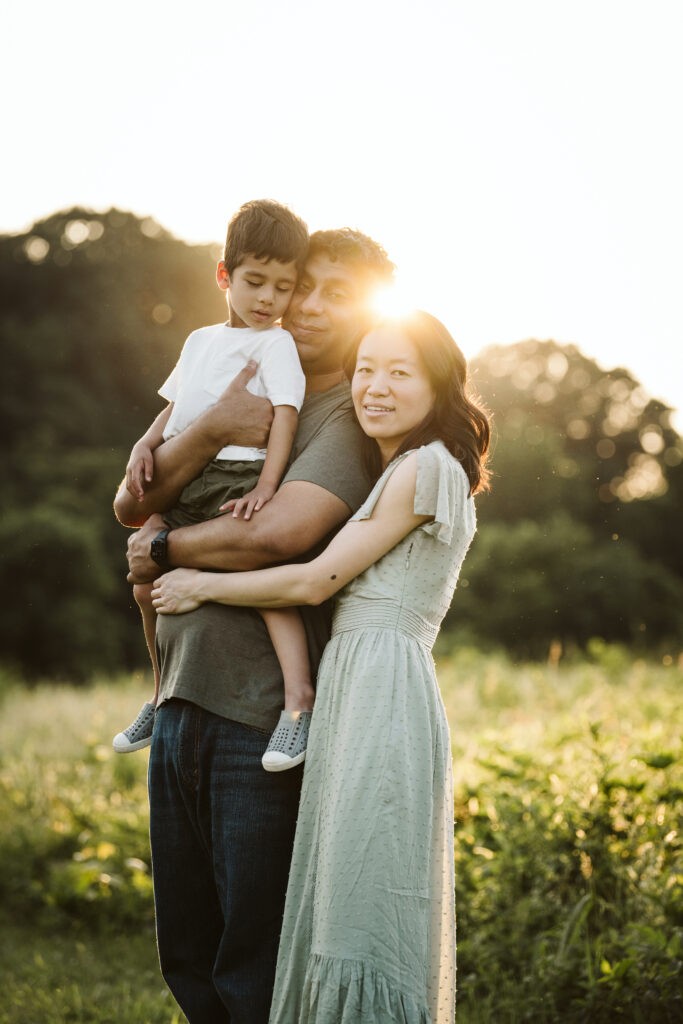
(265, 250)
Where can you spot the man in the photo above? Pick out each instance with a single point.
(221, 827)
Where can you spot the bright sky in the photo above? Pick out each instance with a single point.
(520, 160)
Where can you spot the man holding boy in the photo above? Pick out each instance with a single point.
(221, 828)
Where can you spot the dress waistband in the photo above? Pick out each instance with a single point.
(357, 614)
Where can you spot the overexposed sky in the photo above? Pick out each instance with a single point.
(521, 160)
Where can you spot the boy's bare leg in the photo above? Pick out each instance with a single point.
(142, 592)
(139, 732)
(287, 746)
(288, 637)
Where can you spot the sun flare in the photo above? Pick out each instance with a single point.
(391, 301)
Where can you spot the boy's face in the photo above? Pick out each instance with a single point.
(326, 314)
(258, 291)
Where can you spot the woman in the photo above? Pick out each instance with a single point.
(369, 926)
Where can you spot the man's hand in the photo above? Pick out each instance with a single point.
(140, 470)
(143, 568)
(238, 417)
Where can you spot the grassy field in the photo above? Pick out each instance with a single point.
(568, 852)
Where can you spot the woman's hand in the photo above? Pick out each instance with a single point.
(177, 592)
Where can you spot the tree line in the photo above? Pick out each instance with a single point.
(578, 537)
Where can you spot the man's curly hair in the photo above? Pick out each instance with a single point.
(345, 245)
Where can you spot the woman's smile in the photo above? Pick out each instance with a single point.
(392, 393)
(372, 410)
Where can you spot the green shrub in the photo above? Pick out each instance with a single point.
(568, 854)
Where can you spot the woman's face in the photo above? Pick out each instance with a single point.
(391, 391)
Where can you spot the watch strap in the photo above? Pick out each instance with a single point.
(159, 549)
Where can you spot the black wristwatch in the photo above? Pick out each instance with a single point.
(159, 549)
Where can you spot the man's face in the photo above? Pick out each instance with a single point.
(326, 314)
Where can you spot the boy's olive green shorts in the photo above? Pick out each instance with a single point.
(221, 481)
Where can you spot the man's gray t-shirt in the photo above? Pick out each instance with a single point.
(221, 658)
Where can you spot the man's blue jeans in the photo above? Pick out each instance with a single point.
(222, 830)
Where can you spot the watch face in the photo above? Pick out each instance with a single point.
(158, 549)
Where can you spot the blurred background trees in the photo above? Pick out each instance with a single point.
(579, 537)
(95, 309)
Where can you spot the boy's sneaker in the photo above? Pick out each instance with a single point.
(137, 735)
(287, 746)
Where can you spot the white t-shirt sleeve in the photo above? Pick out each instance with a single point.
(171, 386)
(169, 389)
(281, 373)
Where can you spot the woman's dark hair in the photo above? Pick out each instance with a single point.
(457, 417)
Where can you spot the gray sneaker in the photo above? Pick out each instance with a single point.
(137, 735)
(287, 746)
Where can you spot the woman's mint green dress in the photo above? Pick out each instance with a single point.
(369, 926)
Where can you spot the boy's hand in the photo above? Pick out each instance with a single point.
(250, 502)
(140, 470)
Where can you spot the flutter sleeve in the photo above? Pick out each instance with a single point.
(442, 491)
(368, 506)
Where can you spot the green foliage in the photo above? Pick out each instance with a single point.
(104, 978)
(569, 866)
(578, 537)
(73, 815)
(95, 308)
(569, 861)
(63, 570)
(571, 436)
(526, 584)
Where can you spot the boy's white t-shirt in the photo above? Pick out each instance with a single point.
(209, 360)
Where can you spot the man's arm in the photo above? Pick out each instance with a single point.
(299, 516)
(238, 417)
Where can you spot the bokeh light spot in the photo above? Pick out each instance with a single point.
(75, 233)
(578, 429)
(605, 448)
(162, 313)
(651, 440)
(36, 248)
(544, 392)
(558, 364)
(150, 228)
(673, 456)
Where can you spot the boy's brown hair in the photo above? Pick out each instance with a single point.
(268, 231)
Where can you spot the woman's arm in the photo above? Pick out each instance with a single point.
(354, 548)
